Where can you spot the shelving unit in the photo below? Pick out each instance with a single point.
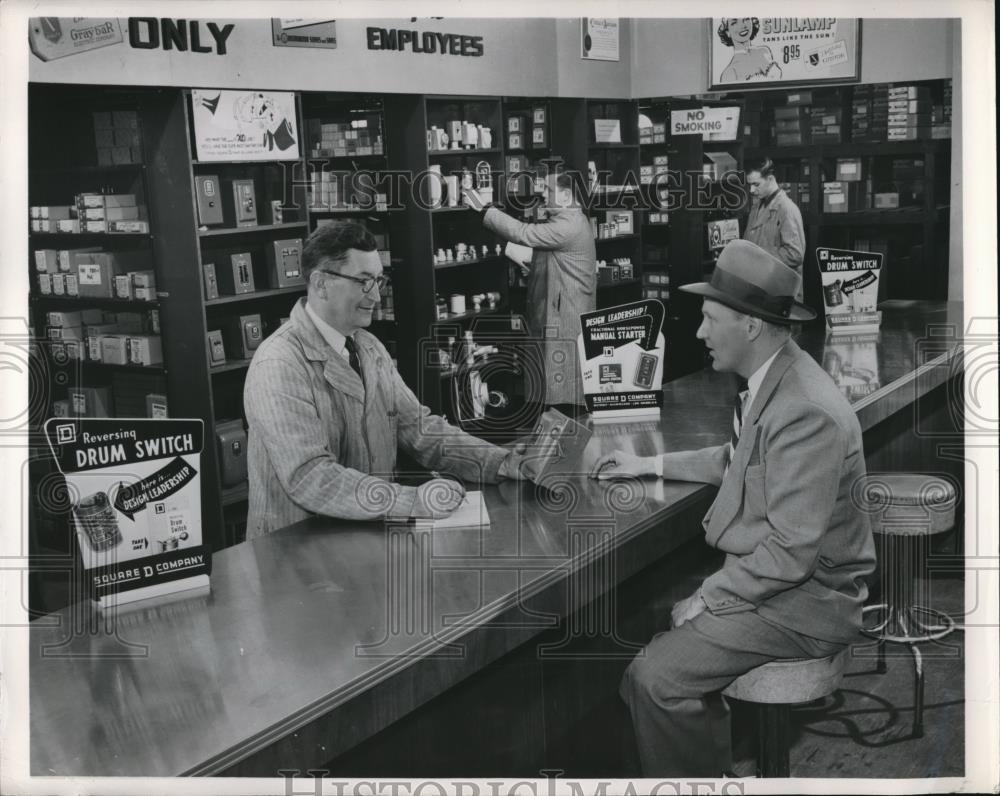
(410, 232)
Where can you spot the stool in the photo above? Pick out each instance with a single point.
(906, 509)
(775, 687)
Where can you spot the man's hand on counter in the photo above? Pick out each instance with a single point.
(620, 464)
(437, 498)
(511, 466)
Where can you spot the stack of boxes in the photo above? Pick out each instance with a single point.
(826, 119)
(92, 273)
(91, 212)
(909, 113)
(852, 189)
(113, 338)
(908, 180)
(336, 189)
(655, 286)
(356, 138)
(941, 115)
(870, 113)
(653, 133)
(791, 120)
(793, 179)
(117, 136)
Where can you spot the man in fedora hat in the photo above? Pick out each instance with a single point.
(797, 546)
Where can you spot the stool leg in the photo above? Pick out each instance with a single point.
(918, 692)
(880, 666)
(772, 740)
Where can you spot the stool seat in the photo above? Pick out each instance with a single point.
(908, 504)
(790, 681)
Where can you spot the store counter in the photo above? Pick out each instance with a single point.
(318, 637)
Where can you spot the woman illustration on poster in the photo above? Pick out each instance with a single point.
(748, 62)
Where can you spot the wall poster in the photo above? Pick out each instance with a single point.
(244, 125)
(782, 51)
(599, 38)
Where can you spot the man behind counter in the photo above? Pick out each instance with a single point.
(562, 282)
(327, 408)
(798, 547)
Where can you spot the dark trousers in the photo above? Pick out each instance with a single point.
(672, 688)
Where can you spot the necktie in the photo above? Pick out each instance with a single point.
(737, 422)
(352, 356)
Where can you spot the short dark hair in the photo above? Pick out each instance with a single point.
(723, 30)
(764, 165)
(333, 242)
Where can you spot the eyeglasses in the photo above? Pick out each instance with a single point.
(367, 283)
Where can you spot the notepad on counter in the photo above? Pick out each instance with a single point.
(471, 513)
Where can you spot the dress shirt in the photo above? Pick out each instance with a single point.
(333, 338)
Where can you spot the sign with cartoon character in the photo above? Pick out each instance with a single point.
(244, 125)
(746, 51)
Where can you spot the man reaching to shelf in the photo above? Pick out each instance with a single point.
(327, 408)
(562, 282)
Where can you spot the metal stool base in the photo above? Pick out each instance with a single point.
(904, 626)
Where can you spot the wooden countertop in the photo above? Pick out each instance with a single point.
(321, 634)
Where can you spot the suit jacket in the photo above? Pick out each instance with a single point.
(561, 286)
(798, 547)
(321, 442)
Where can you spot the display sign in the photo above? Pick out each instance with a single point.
(712, 124)
(621, 353)
(771, 51)
(850, 289)
(244, 125)
(852, 362)
(57, 37)
(722, 232)
(302, 32)
(607, 131)
(599, 38)
(135, 487)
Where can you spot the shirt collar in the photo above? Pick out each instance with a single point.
(757, 378)
(333, 338)
(766, 201)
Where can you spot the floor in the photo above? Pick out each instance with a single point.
(864, 729)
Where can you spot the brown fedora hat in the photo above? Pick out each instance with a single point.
(749, 280)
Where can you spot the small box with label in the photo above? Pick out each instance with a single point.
(114, 349)
(156, 406)
(47, 261)
(123, 287)
(145, 349)
(90, 401)
(849, 170)
(622, 219)
(835, 197)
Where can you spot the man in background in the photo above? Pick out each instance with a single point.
(775, 223)
(327, 408)
(562, 282)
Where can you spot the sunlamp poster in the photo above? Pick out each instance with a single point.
(782, 51)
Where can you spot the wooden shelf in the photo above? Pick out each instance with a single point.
(231, 495)
(345, 211)
(459, 209)
(195, 162)
(216, 233)
(94, 301)
(321, 158)
(465, 316)
(620, 283)
(860, 149)
(612, 146)
(123, 168)
(491, 260)
(431, 153)
(630, 236)
(92, 235)
(902, 215)
(256, 295)
(105, 366)
(231, 365)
